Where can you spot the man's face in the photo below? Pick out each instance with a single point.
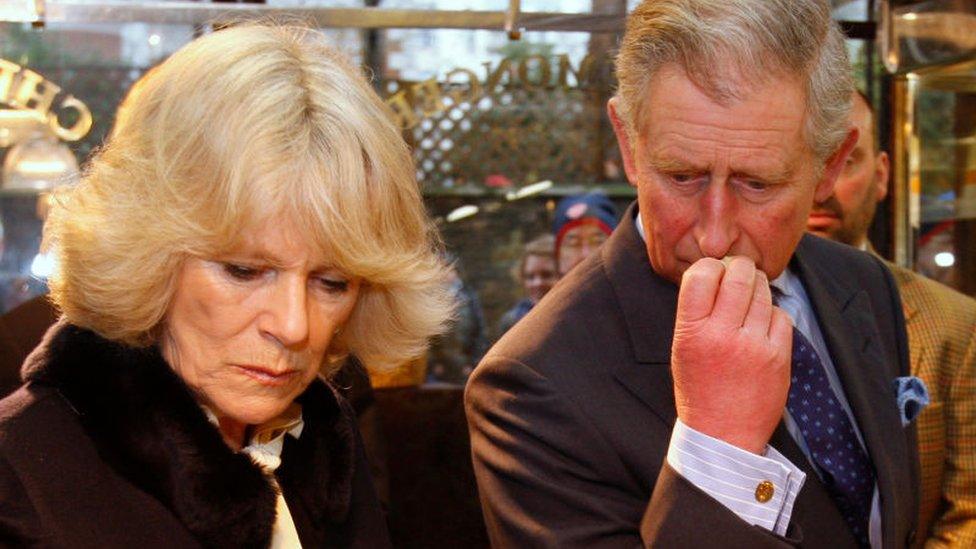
(579, 243)
(846, 215)
(715, 180)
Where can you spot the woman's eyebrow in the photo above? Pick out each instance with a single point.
(254, 255)
(266, 257)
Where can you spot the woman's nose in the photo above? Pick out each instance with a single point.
(286, 317)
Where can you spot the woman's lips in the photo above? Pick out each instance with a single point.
(266, 376)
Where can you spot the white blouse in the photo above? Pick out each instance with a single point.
(264, 449)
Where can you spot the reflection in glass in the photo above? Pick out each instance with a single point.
(927, 33)
(39, 164)
(941, 172)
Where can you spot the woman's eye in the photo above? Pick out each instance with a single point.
(240, 272)
(334, 285)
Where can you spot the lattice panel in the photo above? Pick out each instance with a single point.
(523, 134)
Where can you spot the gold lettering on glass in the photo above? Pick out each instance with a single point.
(26, 90)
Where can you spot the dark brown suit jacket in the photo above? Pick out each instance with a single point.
(571, 412)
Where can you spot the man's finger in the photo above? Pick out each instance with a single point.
(761, 307)
(735, 292)
(781, 330)
(699, 284)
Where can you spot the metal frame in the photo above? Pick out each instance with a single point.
(904, 171)
(200, 13)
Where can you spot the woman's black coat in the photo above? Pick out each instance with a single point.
(106, 447)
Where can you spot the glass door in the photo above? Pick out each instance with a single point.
(935, 173)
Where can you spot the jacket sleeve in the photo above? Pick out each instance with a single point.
(956, 525)
(543, 476)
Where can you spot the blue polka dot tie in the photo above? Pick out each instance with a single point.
(829, 435)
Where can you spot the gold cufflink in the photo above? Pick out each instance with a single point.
(764, 491)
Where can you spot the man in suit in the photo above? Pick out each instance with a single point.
(941, 326)
(658, 397)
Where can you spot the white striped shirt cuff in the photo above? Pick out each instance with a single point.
(732, 475)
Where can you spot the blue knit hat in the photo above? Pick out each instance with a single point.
(580, 209)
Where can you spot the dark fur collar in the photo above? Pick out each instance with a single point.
(146, 425)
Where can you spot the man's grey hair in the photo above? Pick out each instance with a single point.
(723, 46)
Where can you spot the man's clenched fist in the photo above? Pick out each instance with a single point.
(731, 353)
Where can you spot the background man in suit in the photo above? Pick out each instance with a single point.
(658, 397)
(941, 326)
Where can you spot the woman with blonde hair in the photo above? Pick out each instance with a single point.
(252, 219)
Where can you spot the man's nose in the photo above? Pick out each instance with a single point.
(586, 248)
(819, 203)
(286, 314)
(717, 228)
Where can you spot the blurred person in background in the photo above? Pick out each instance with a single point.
(941, 325)
(536, 273)
(582, 224)
(252, 219)
(16, 284)
(454, 354)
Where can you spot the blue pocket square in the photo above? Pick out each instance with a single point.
(912, 396)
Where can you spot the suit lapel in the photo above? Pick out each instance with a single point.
(846, 319)
(648, 304)
(907, 308)
(908, 286)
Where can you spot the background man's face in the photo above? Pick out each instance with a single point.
(579, 243)
(715, 180)
(846, 215)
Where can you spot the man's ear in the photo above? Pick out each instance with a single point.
(882, 171)
(623, 141)
(825, 187)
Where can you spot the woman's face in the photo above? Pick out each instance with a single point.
(248, 331)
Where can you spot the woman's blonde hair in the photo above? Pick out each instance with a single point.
(237, 128)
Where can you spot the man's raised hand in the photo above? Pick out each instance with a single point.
(731, 353)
